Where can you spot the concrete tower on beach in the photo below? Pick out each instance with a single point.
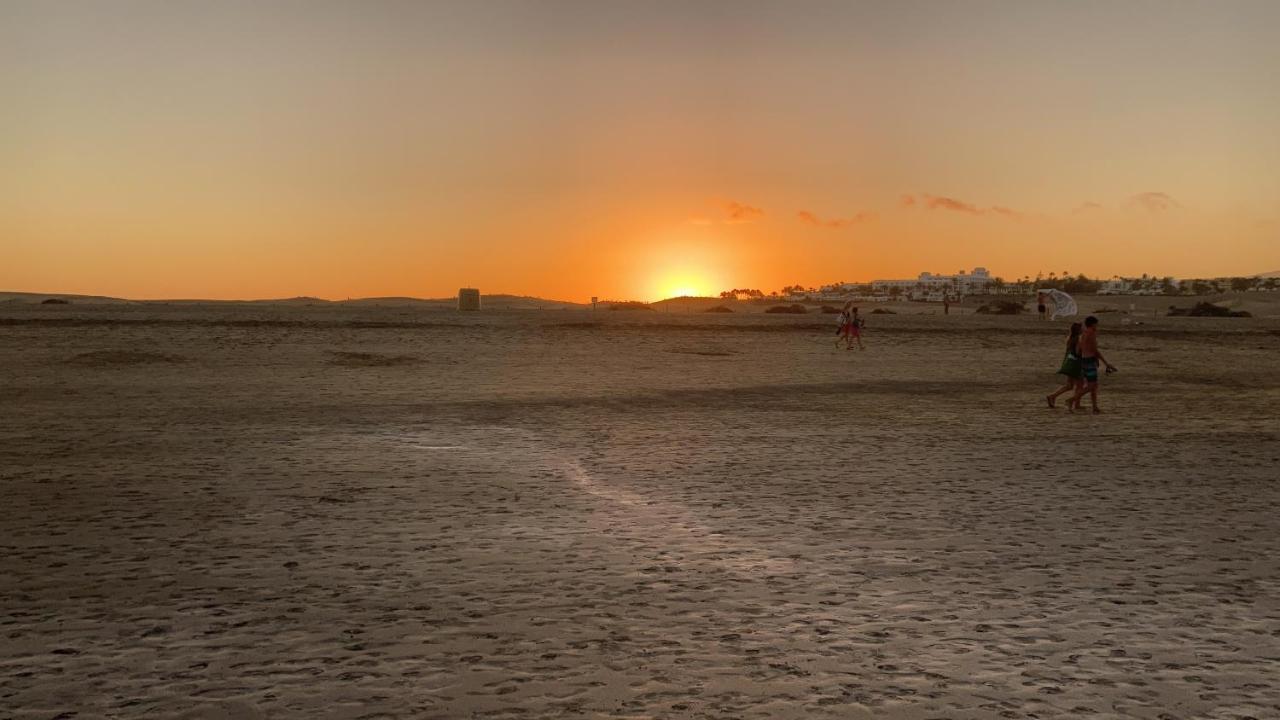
(468, 299)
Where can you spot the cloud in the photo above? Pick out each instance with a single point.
(940, 202)
(934, 202)
(1013, 214)
(1087, 207)
(1154, 201)
(737, 212)
(809, 218)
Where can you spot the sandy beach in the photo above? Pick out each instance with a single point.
(243, 511)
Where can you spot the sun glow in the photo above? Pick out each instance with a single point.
(683, 286)
(687, 263)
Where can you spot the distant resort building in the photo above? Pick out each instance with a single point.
(926, 287)
(935, 288)
(468, 299)
(1137, 286)
(1116, 286)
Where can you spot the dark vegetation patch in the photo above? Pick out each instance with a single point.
(103, 358)
(1001, 307)
(1207, 309)
(55, 301)
(882, 311)
(793, 309)
(829, 310)
(362, 359)
(719, 309)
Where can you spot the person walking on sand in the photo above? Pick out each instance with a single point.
(1071, 368)
(854, 329)
(1090, 356)
(1040, 301)
(842, 323)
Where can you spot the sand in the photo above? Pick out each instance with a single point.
(262, 511)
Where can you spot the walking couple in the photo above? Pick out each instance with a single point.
(1080, 366)
(850, 327)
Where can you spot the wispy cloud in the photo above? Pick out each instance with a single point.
(935, 202)
(809, 218)
(737, 212)
(728, 212)
(1154, 202)
(1006, 212)
(1087, 207)
(941, 202)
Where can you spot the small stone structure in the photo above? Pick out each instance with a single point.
(468, 299)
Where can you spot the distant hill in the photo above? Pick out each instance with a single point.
(524, 302)
(379, 301)
(37, 298)
(488, 302)
(300, 300)
(1274, 274)
(494, 302)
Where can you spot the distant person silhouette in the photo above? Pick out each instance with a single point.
(855, 330)
(842, 324)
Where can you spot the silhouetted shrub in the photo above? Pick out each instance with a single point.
(719, 309)
(793, 309)
(1207, 309)
(55, 301)
(1001, 307)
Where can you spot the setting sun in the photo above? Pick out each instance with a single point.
(686, 263)
(684, 287)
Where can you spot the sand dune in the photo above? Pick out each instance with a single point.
(382, 512)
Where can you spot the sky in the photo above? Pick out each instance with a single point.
(628, 150)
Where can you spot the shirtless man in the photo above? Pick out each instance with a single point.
(1090, 356)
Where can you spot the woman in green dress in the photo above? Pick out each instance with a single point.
(1071, 367)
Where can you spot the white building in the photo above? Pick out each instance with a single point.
(928, 286)
(1117, 286)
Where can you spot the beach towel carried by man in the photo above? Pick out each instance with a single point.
(1063, 304)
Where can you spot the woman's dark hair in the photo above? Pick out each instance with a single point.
(1074, 337)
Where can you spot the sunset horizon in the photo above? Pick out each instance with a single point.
(675, 287)
(754, 359)
(244, 151)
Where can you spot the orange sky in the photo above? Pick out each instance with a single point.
(628, 150)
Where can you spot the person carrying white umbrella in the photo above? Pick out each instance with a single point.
(1063, 304)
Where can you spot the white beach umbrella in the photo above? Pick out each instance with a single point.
(1063, 304)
